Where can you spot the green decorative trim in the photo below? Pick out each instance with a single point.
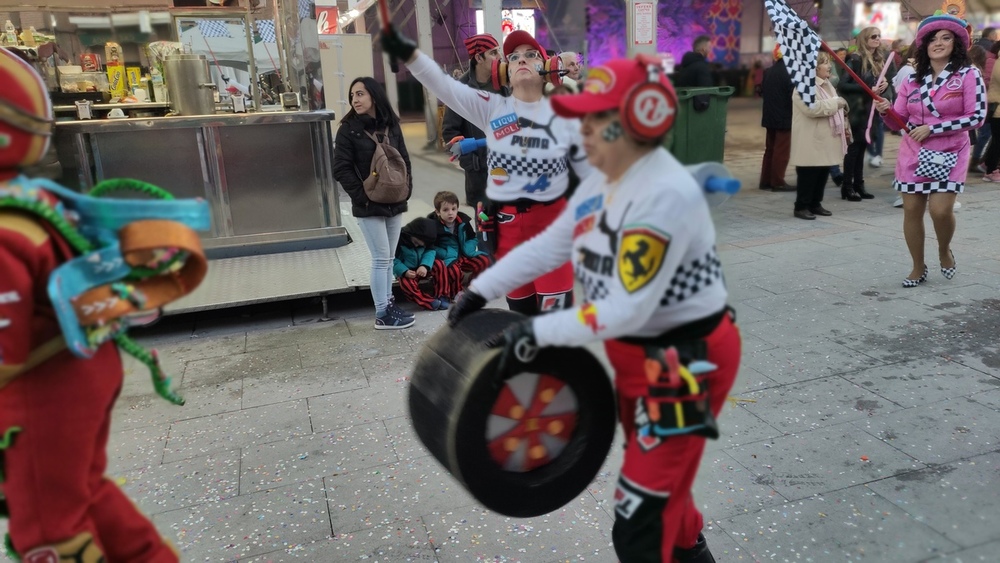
(8, 546)
(8, 437)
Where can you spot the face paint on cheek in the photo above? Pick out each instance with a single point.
(613, 132)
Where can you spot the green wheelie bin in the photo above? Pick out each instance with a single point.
(700, 136)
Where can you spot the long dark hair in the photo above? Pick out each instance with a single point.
(959, 55)
(384, 116)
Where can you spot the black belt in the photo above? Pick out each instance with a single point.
(684, 335)
(524, 204)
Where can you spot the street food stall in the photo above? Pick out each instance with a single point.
(207, 101)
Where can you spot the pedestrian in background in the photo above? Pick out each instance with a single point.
(380, 223)
(992, 158)
(571, 62)
(777, 120)
(483, 50)
(981, 58)
(835, 172)
(942, 101)
(695, 72)
(866, 62)
(819, 139)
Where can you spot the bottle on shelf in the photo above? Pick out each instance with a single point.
(9, 34)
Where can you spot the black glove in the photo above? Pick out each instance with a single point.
(468, 302)
(398, 45)
(519, 345)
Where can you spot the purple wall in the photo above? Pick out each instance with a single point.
(678, 24)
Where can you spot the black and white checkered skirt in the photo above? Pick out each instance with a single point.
(928, 187)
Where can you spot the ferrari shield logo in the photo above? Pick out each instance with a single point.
(640, 256)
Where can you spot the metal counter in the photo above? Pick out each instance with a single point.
(268, 176)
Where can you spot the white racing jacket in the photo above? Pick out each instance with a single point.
(643, 250)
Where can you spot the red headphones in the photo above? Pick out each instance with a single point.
(649, 108)
(550, 71)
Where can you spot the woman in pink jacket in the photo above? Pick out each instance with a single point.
(941, 102)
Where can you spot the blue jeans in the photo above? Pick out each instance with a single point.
(878, 136)
(382, 235)
(835, 171)
(983, 135)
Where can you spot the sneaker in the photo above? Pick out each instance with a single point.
(981, 167)
(876, 161)
(444, 303)
(389, 321)
(392, 308)
(898, 202)
(992, 176)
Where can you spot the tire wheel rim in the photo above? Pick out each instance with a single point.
(531, 422)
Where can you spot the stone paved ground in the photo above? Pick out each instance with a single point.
(868, 426)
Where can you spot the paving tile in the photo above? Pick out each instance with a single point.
(404, 438)
(249, 525)
(846, 525)
(724, 488)
(318, 550)
(361, 344)
(257, 317)
(386, 397)
(806, 361)
(817, 461)
(136, 447)
(213, 371)
(826, 401)
(922, 381)
(297, 334)
(956, 499)
(161, 488)
(580, 530)
(985, 552)
(304, 458)
(938, 432)
(390, 495)
(260, 425)
(749, 379)
(343, 374)
(739, 424)
(810, 328)
(404, 543)
(138, 411)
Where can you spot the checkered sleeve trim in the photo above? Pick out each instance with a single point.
(691, 278)
(523, 166)
(594, 287)
(928, 187)
(968, 122)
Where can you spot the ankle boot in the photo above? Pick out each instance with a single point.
(848, 193)
(860, 190)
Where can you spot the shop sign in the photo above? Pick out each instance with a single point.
(644, 17)
(326, 19)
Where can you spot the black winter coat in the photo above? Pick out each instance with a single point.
(695, 72)
(352, 158)
(455, 125)
(859, 102)
(776, 89)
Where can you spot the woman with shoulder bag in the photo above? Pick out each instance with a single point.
(380, 223)
(941, 102)
(820, 136)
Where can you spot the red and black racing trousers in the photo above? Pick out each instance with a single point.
(518, 222)
(52, 471)
(654, 508)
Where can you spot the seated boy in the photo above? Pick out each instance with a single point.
(416, 261)
(456, 242)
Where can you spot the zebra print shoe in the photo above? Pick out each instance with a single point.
(914, 283)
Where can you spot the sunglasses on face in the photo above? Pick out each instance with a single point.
(527, 55)
(873, 37)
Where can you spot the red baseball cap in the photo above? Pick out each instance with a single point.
(521, 37)
(606, 86)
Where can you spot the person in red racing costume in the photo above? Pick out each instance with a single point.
(55, 408)
(642, 243)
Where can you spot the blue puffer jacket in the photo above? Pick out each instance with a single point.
(462, 242)
(410, 256)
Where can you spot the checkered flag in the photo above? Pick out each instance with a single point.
(213, 28)
(265, 30)
(799, 45)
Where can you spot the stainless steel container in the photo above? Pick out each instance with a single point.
(189, 84)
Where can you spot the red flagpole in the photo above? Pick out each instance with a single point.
(843, 64)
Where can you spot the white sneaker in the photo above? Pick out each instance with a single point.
(898, 202)
(876, 161)
(957, 206)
